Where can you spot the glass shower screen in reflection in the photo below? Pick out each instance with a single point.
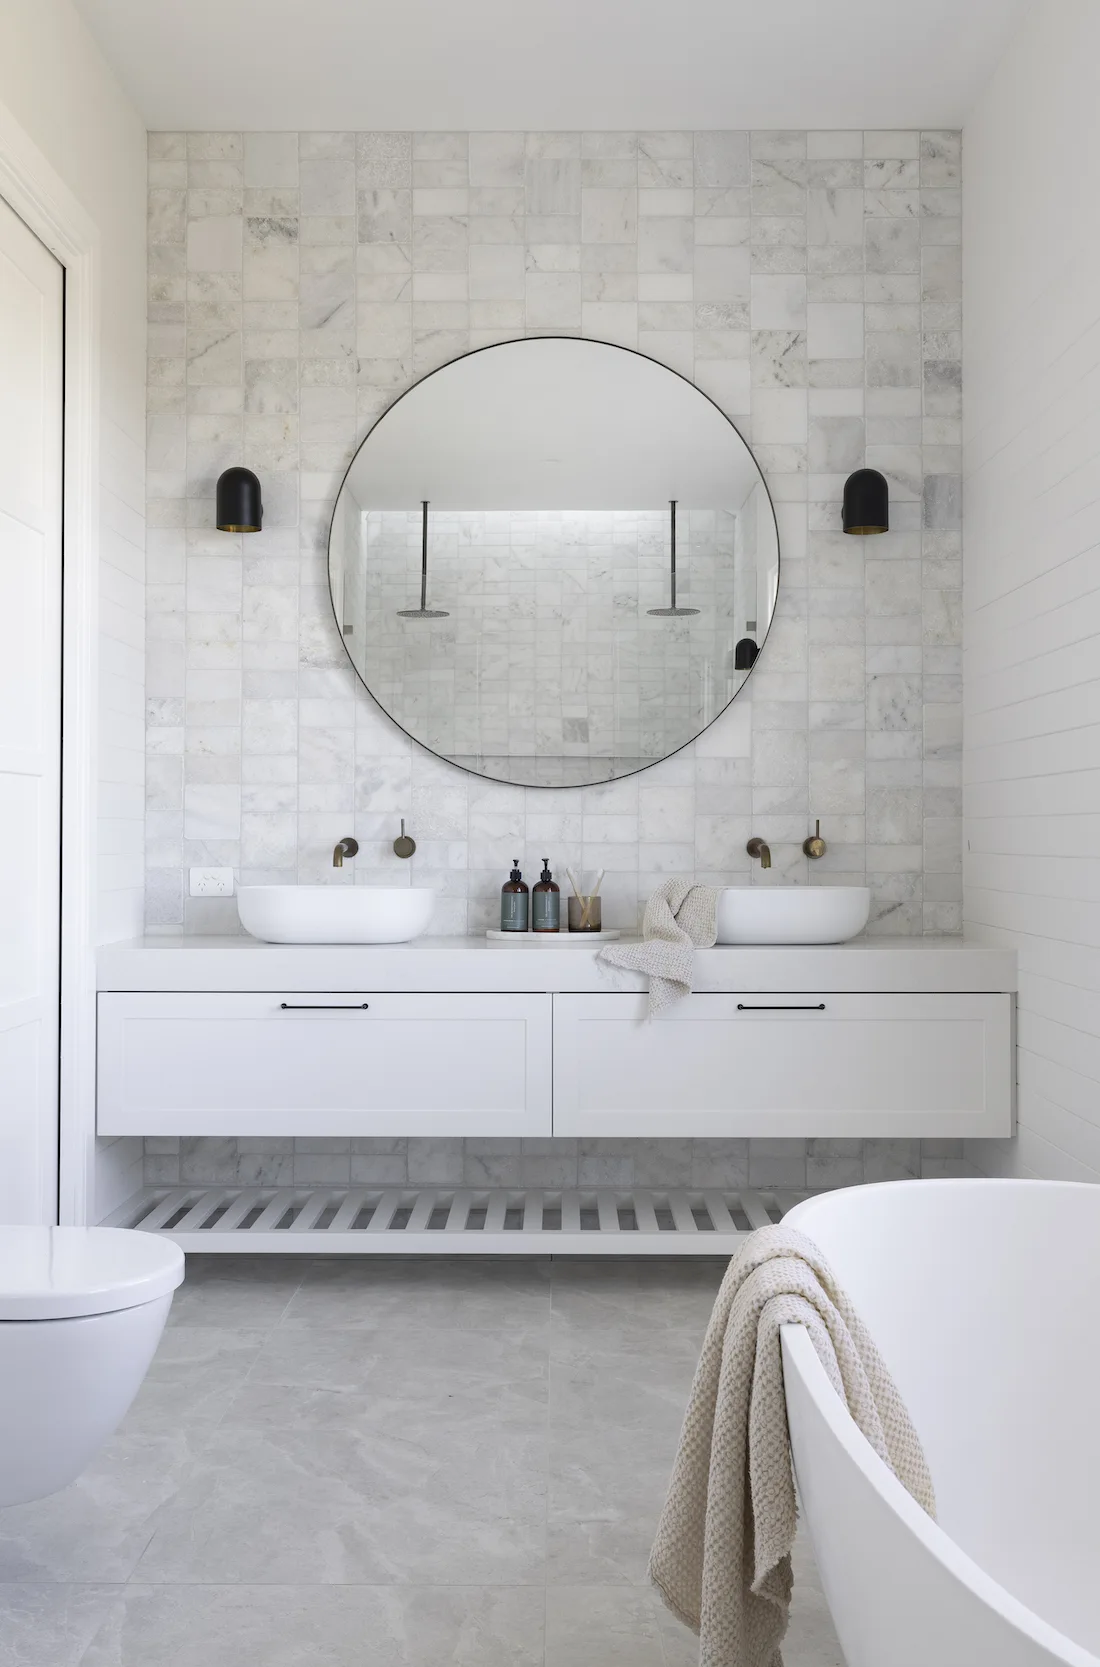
(553, 561)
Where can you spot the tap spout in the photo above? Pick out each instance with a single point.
(344, 848)
(757, 848)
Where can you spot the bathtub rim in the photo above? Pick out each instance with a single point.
(800, 1356)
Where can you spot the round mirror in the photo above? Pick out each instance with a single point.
(553, 561)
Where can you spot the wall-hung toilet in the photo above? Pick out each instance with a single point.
(81, 1313)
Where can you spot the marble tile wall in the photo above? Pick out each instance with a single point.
(809, 282)
(547, 658)
(546, 1163)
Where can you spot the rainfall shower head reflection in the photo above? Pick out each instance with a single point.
(674, 612)
(423, 612)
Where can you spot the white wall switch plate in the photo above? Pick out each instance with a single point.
(211, 882)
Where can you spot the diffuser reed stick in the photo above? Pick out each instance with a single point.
(587, 902)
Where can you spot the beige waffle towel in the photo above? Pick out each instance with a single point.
(722, 1556)
(679, 919)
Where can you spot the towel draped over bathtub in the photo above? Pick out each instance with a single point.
(679, 919)
(722, 1555)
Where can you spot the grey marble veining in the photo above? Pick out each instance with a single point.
(807, 282)
(410, 1461)
(563, 1162)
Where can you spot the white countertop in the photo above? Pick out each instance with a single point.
(867, 965)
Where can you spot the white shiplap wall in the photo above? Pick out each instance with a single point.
(1032, 580)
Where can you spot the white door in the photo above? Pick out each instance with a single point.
(31, 368)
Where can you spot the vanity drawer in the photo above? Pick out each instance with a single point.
(785, 1065)
(324, 1064)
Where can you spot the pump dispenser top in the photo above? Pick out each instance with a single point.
(546, 902)
(514, 901)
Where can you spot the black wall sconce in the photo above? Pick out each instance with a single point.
(866, 503)
(240, 509)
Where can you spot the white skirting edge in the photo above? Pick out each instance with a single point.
(447, 1221)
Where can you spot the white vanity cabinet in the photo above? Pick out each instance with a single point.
(323, 1063)
(452, 1037)
(794, 1065)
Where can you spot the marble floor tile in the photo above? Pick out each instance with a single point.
(96, 1529)
(614, 1626)
(285, 1504)
(197, 1371)
(418, 1295)
(292, 1626)
(406, 1463)
(59, 1626)
(250, 1292)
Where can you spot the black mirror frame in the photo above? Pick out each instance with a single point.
(482, 775)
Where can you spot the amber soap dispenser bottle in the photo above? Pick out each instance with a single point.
(546, 902)
(514, 901)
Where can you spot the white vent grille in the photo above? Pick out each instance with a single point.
(598, 1221)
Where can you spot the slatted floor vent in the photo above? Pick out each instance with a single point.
(635, 1221)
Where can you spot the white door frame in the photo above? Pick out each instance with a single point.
(41, 198)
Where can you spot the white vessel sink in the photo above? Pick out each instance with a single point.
(335, 914)
(792, 914)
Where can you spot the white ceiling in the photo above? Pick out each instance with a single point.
(566, 64)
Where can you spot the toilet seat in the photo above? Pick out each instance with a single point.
(63, 1273)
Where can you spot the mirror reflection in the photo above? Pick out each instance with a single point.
(553, 561)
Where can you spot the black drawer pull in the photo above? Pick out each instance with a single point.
(323, 1006)
(781, 1007)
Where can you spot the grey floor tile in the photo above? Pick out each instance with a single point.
(417, 1295)
(97, 1529)
(408, 1463)
(282, 1505)
(244, 1292)
(614, 1626)
(59, 1626)
(395, 1358)
(445, 1414)
(621, 1309)
(303, 1626)
(195, 1374)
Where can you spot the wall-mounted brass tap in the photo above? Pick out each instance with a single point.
(344, 848)
(815, 846)
(757, 848)
(404, 845)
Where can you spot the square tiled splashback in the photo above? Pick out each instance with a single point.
(808, 282)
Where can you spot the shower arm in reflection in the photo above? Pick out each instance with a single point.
(423, 554)
(673, 611)
(423, 612)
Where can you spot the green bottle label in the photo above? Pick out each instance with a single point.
(545, 915)
(513, 911)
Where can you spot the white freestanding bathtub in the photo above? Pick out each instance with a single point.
(984, 1298)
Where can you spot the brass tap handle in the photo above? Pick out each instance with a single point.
(815, 846)
(404, 845)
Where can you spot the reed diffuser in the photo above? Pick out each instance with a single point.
(584, 911)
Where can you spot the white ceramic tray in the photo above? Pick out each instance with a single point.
(573, 939)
